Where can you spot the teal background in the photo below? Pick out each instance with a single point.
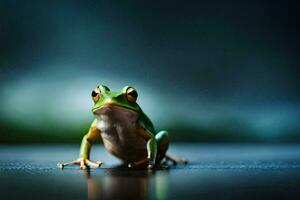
(208, 71)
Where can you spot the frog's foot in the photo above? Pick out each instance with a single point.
(175, 161)
(142, 163)
(83, 163)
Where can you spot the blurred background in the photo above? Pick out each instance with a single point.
(207, 71)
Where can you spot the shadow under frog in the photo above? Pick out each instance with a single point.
(118, 183)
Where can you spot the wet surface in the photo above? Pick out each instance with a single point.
(214, 172)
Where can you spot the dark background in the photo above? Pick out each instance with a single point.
(207, 71)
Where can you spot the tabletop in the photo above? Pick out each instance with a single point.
(214, 171)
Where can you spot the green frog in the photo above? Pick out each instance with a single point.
(126, 132)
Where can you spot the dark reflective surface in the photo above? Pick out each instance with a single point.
(215, 172)
(118, 184)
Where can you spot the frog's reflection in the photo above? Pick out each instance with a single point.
(126, 184)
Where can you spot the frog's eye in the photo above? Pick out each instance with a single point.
(105, 88)
(131, 94)
(96, 94)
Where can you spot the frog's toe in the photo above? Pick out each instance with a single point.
(93, 164)
(62, 165)
(150, 167)
(176, 161)
(83, 166)
(131, 165)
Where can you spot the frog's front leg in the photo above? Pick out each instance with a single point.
(151, 152)
(149, 161)
(85, 148)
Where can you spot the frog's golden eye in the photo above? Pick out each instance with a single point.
(131, 94)
(96, 94)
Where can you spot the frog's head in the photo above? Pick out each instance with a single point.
(126, 98)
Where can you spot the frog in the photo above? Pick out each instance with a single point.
(126, 131)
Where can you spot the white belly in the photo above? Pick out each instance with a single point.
(118, 130)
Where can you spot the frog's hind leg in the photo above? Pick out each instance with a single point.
(162, 138)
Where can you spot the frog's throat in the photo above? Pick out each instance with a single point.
(111, 105)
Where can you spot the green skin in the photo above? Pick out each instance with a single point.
(156, 144)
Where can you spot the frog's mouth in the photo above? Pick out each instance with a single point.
(112, 107)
